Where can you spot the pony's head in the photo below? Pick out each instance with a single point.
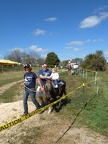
(48, 88)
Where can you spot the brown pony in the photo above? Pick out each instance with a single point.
(52, 94)
(69, 68)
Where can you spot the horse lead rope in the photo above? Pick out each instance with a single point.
(29, 89)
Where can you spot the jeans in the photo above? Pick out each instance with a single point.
(75, 71)
(32, 96)
(55, 82)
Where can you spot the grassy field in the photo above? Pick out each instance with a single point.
(89, 103)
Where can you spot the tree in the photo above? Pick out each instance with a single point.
(77, 61)
(64, 62)
(95, 61)
(14, 56)
(17, 55)
(52, 59)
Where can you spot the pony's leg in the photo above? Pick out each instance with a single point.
(69, 72)
(50, 109)
(60, 103)
(47, 101)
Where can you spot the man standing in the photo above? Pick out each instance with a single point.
(30, 79)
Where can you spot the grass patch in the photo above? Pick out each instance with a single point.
(95, 113)
(9, 95)
(95, 116)
(12, 76)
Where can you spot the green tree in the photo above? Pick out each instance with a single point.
(64, 62)
(52, 59)
(77, 61)
(95, 61)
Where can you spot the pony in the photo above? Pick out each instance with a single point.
(69, 68)
(52, 94)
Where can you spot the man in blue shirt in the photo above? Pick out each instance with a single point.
(30, 79)
(43, 74)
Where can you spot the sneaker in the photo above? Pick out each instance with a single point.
(56, 86)
(41, 112)
(24, 114)
(38, 108)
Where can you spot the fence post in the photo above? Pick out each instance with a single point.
(86, 74)
(2, 68)
(83, 73)
(97, 90)
(83, 97)
(95, 77)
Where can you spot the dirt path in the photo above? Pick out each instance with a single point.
(7, 86)
(45, 128)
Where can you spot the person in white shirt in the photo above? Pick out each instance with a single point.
(75, 67)
(54, 77)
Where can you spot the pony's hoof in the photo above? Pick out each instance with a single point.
(49, 110)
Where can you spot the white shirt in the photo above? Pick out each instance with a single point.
(75, 66)
(54, 76)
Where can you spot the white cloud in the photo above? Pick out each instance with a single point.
(37, 49)
(93, 20)
(16, 49)
(89, 22)
(39, 32)
(44, 55)
(97, 40)
(51, 19)
(68, 47)
(100, 9)
(103, 15)
(75, 43)
(76, 49)
(88, 40)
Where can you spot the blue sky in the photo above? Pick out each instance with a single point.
(70, 28)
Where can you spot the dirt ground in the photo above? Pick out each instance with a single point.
(43, 128)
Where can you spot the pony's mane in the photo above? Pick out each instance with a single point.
(48, 84)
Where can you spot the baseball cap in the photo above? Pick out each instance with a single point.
(27, 65)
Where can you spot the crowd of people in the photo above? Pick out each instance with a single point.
(29, 84)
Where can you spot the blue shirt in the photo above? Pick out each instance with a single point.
(43, 72)
(30, 79)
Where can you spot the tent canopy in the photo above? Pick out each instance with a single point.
(8, 62)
